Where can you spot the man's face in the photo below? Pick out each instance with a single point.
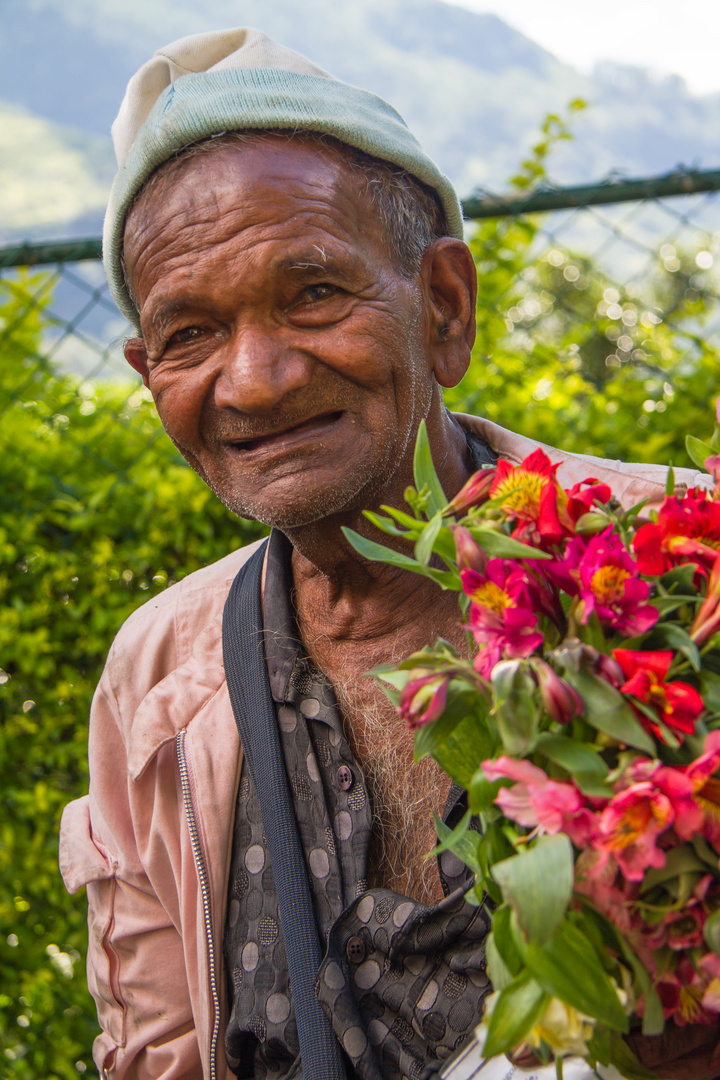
(285, 351)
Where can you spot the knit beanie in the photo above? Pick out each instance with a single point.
(234, 80)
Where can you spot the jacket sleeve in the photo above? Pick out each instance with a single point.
(136, 963)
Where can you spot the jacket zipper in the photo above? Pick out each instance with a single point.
(205, 892)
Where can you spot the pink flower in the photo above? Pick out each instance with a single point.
(705, 787)
(501, 615)
(423, 698)
(707, 620)
(605, 577)
(629, 828)
(536, 802)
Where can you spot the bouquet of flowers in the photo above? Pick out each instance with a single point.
(584, 724)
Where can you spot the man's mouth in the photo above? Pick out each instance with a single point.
(316, 426)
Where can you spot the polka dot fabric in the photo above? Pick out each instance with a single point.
(401, 983)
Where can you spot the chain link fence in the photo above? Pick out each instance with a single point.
(598, 331)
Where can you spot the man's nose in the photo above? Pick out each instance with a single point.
(260, 367)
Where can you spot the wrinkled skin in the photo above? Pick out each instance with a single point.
(291, 363)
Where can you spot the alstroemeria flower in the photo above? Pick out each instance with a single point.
(470, 556)
(629, 828)
(532, 498)
(501, 614)
(423, 698)
(537, 802)
(710, 967)
(707, 620)
(687, 530)
(677, 703)
(474, 492)
(585, 495)
(561, 700)
(603, 574)
(706, 786)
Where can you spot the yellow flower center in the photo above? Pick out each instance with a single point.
(632, 825)
(707, 796)
(492, 596)
(521, 492)
(608, 584)
(691, 1008)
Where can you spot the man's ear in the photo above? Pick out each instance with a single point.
(136, 356)
(450, 281)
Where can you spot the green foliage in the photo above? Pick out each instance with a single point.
(568, 356)
(97, 515)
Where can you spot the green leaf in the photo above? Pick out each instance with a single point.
(505, 941)
(379, 553)
(461, 840)
(672, 636)
(483, 792)
(711, 932)
(698, 451)
(608, 711)
(468, 743)
(504, 547)
(537, 883)
(681, 577)
(670, 481)
(574, 757)
(520, 1006)
(424, 471)
(516, 710)
(411, 524)
(387, 525)
(497, 969)
(427, 538)
(568, 967)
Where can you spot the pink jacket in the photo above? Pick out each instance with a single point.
(152, 839)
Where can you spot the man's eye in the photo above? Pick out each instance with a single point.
(186, 336)
(316, 293)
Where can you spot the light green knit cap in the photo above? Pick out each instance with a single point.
(233, 80)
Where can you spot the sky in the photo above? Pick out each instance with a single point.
(681, 37)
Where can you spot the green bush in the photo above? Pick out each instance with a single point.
(97, 514)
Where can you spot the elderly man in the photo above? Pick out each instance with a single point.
(294, 266)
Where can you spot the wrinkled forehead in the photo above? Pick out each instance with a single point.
(260, 166)
(264, 196)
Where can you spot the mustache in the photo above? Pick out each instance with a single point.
(225, 427)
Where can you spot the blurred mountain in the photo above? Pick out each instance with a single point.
(472, 88)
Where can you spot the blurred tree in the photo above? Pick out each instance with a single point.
(568, 356)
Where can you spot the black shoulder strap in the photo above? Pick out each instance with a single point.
(252, 703)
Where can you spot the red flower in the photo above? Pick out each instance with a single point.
(687, 530)
(707, 620)
(605, 577)
(586, 494)
(532, 498)
(676, 703)
(501, 614)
